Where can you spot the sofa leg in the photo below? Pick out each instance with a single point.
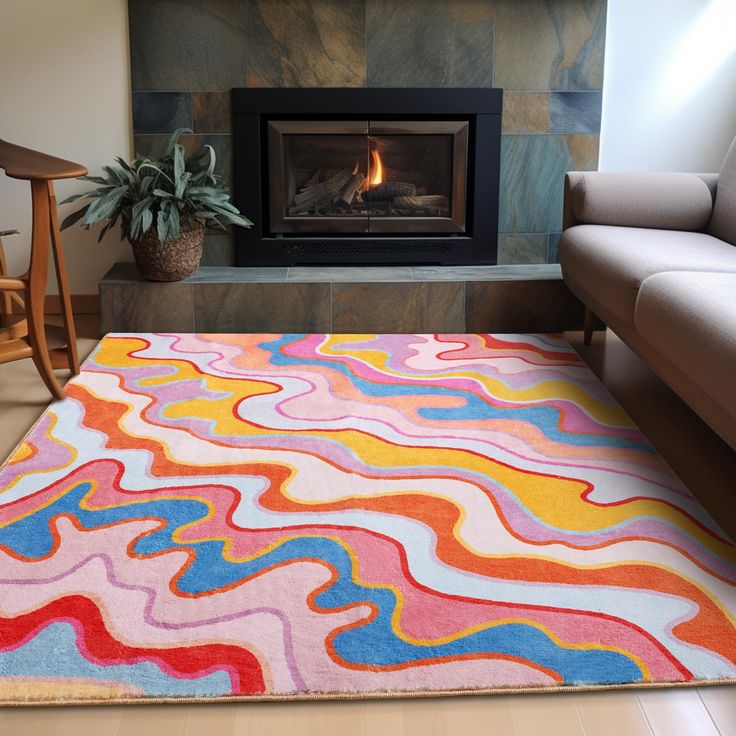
(589, 321)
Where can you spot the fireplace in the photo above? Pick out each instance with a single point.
(367, 176)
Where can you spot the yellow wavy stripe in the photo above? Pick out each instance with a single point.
(462, 633)
(570, 511)
(21, 454)
(29, 689)
(606, 412)
(401, 603)
(227, 544)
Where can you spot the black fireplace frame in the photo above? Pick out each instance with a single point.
(253, 108)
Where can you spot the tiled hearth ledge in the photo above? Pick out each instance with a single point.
(521, 298)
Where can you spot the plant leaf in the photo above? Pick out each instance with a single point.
(94, 179)
(181, 185)
(211, 164)
(147, 220)
(179, 165)
(104, 206)
(74, 217)
(161, 226)
(155, 167)
(146, 183)
(174, 224)
(75, 197)
(175, 139)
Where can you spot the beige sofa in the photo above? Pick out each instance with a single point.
(654, 257)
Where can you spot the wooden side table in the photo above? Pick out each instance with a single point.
(26, 336)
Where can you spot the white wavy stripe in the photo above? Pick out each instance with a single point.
(295, 383)
(655, 613)
(91, 446)
(651, 611)
(426, 358)
(610, 486)
(161, 349)
(262, 410)
(318, 482)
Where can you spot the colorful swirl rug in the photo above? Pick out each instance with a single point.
(305, 516)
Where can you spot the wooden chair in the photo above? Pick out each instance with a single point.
(24, 335)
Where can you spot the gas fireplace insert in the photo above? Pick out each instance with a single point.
(367, 176)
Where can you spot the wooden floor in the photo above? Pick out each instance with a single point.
(706, 465)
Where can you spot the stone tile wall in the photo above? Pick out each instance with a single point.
(547, 55)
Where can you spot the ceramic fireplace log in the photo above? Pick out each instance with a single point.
(421, 203)
(312, 181)
(388, 191)
(322, 194)
(344, 200)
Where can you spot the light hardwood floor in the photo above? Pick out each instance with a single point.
(705, 463)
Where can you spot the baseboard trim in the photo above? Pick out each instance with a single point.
(81, 304)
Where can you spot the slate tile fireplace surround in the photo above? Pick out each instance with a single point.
(367, 176)
(547, 56)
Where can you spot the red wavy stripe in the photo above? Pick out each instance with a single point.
(442, 517)
(101, 647)
(470, 351)
(494, 343)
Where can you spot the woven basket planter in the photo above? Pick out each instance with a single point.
(173, 260)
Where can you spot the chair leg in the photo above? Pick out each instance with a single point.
(6, 303)
(63, 284)
(588, 323)
(37, 339)
(36, 290)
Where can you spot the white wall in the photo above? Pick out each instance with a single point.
(669, 91)
(65, 90)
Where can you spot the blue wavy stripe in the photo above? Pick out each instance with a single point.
(546, 418)
(372, 644)
(53, 654)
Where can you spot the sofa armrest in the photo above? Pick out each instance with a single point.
(654, 200)
(711, 181)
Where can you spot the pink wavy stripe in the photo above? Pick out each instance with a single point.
(525, 526)
(259, 359)
(382, 561)
(147, 615)
(403, 414)
(573, 418)
(382, 558)
(49, 454)
(429, 355)
(283, 588)
(577, 420)
(224, 499)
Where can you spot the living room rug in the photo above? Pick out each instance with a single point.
(213, 517)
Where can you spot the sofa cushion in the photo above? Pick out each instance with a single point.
(723, 222)
(672, 201)
(690, 319)
(612, 262)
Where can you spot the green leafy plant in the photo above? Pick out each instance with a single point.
(164, 193)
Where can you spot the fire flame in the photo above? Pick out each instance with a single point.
(376, 176)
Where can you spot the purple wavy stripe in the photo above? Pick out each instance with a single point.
(653, 530)
(151, 596)
(49, 454)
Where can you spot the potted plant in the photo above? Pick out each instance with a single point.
(163, 207)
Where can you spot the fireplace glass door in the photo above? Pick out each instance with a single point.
(361, 176)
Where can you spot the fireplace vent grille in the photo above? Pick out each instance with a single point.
(358, 247)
